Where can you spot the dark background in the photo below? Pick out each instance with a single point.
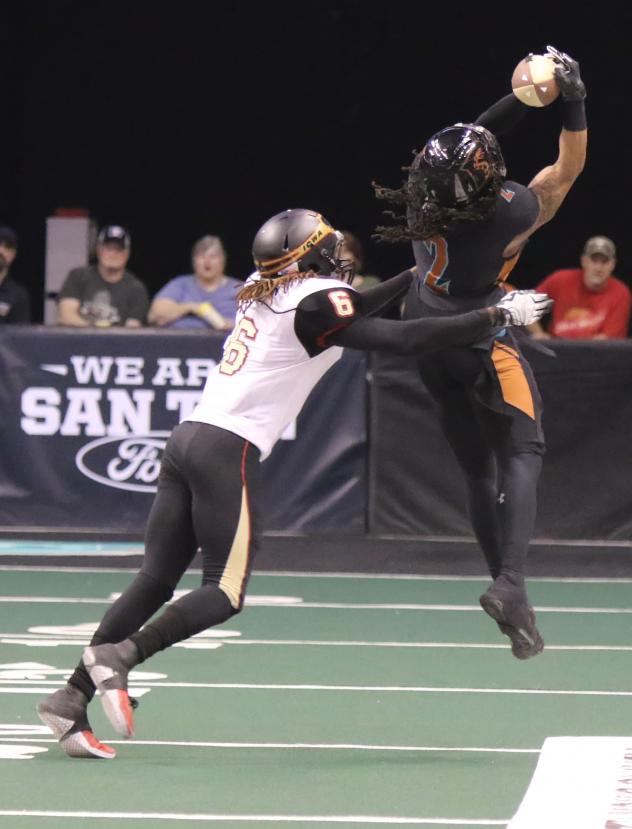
(181, 119)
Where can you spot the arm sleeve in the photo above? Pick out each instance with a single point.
(72, 289)
(503, 116)
(415, 336)
(379, 299)
(321, 314)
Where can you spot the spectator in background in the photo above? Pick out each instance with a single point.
(206, 298)
(352, 249)
(15, 306)
(590, 303)
(104, 294)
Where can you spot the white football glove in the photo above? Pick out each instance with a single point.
(524, 307)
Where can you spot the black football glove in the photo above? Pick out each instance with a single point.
(567, 76)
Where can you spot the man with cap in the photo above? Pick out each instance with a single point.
(14, 299)
(104, 294)
(590, 303)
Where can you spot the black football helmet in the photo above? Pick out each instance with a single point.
(459, 164)
(303, 237)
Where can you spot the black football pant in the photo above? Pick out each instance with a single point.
(490, 412)
(207, 498)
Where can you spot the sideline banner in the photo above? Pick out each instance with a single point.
(416, 487)
(84, 418)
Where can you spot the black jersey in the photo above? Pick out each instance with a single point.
(463, 269)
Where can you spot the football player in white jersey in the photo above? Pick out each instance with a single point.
(296, 313)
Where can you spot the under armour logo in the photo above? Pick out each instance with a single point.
(501, 498)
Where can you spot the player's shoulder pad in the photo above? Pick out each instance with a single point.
(518, 203)
(511, 192)
(324, 312)
(335, 303)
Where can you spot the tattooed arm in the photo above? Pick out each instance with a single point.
(552, 184)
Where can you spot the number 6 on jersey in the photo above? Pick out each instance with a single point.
(342, 302)
(236, 348)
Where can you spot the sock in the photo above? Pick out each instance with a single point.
(128, 652)
(201, 609)
(144, 596)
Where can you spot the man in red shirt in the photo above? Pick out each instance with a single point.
(590, 303)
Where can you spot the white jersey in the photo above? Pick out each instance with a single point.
(266, 374)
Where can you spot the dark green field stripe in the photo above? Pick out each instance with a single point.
(305, 716)
(327, 589)
(258, 781)
(355, 624)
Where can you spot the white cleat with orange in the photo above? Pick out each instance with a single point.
(109, 673)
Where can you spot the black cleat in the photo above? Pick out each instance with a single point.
(507, 604)
(65, 713)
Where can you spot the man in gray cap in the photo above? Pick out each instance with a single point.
(104, 294)
(590, 303)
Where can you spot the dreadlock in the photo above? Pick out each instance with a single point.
(267, 287)
(424, 218)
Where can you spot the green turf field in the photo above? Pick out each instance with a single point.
(330, 700)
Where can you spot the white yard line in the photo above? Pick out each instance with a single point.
(130, 553)
(353, 819)
(291, 746)
(461, 608)
(39, 568)
(301, 574)
(21, 638)
(51, 600)
(31, 686)
(425, 577)
(430, 645)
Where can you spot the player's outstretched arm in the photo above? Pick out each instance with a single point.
(503, 116)
(552, 184)
(377, 300)
(423, 335)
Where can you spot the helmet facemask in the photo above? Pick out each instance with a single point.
(344, 269)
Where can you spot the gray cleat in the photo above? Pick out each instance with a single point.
(65, 713)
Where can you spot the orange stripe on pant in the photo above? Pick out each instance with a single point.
(513, 381)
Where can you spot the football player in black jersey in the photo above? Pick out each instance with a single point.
(468, 226)
(208, 491)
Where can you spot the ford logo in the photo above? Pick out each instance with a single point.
(131, 462)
